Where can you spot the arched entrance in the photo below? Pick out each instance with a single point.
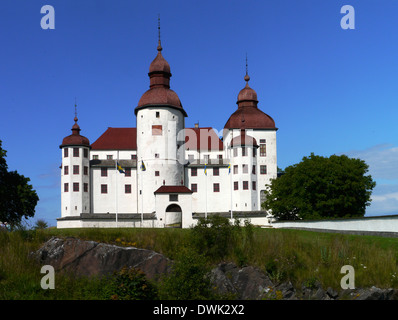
(173, 216)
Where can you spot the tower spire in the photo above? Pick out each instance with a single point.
(247, 78)
(159, 44)
(75, 111)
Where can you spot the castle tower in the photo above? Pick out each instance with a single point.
(75, 174)
(257, 125)
(160, 135)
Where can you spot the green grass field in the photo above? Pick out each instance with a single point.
(298, 256)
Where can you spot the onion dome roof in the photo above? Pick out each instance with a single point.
(159, 93)
(248, 116)
(75, 139)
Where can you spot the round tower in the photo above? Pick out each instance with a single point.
(260, 126)
(160, 125)
(75, 173)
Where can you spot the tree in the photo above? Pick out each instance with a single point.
(320, 187)
(17, 197)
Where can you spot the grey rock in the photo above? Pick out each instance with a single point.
(88, 258)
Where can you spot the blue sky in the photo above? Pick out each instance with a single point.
(329, 90)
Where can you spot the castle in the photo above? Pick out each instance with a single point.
(161, 174)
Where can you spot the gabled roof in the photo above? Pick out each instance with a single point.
(173, 189)
(203, 139)
(117, 139)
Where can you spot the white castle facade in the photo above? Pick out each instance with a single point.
(162, 174)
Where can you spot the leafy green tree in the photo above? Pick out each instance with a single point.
(17, 197)
(320, 187)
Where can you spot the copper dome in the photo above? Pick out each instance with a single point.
(159, 93)
(248, 116)
(75, 139)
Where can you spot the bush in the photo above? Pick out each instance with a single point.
(188, 279)
(131, 284)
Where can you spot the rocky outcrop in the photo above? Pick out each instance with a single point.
(88, 258)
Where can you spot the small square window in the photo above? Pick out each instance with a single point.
(85, 153)
(109, 157)
(85, 187)
(173, 197)
(236, 185)
(95, 157)
(156, 155)
(85, 170)
(157, 114)
(134, 157)
(157, 174)
(104, 188)
(254, 169)
(66, 152)
(104, 172)
(75, 169)
(127, 172)
(245, 185)
(216, 187)
(216, 171)
(194, 187)
(75, 186)
(254, 187)
(75, 152)
(127, 188)
(194, 172)
(66, 170)
(263, 169)
(245, 168)
(235, 169)
(66, 187)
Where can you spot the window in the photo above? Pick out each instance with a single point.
(236, 169)
(66, 152)
(75, 186)
(157, 114)
(245, 168)
(75, 169)
(66, 187)
(216, 187)
(173, 197)
(85, 187)
(104, 172)
(194, 187)
(263, 150)
(262, 140)
(244, 152)
(263, 169)
(216, 171)
(235, 152)
(75, 152)
(134, 157)
(157, 174)
(85, 170)
(95, 156)
(109, 157)
(220, 157)
(104, 188)
(245, 185)
(191, 157)
(85, 153)
(156, 155)
(156, 130)
(254, 169)
(66, 170)
(194, 172)
(254, 185)
(236, 185)
(127, 188)
(127, 172)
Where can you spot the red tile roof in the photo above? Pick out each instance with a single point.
(173, 189)
(203, 139)
(117, 139)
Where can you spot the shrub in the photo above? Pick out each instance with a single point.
(131, 284)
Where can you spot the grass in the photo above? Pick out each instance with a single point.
(301, 257)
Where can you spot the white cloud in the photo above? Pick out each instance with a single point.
(383, 167)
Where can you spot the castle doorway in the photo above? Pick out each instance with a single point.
(173, 216)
